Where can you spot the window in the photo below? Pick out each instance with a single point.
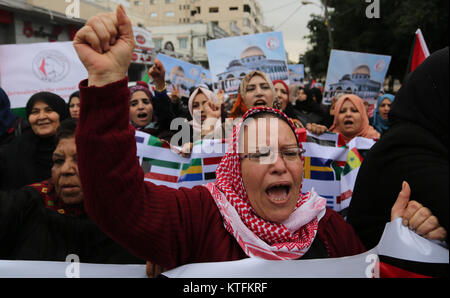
(170, 14)
(201, 42)
(196, 11)
(247, 8)
(234, 8)
(246, 22)
(169, 1)
(157, 43)
(213, 10)
(182, 42)
(153, 15)
(152, 2)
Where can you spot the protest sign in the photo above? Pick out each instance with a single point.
(26, 69)
(296, 73)
(179, 72)
(400, 253)
(230, 59)
(144, 50)
(205, 78)
(362, 74)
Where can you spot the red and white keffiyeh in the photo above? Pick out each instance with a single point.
(258, 237)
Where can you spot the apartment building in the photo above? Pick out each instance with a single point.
(237, 17)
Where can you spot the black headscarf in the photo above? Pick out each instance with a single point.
(423, 98)
(45, 146)
(54, 101)
(310, 111)
(414, 149)
(6, 116)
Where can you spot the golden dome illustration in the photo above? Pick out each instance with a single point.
(251, 52)
(177, 71)
(362, 69)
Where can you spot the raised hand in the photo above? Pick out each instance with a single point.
(158, 73)
(212, 110)
(221, 95)
(105, 46)
(175, 96)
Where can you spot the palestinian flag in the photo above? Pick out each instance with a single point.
(419, 52)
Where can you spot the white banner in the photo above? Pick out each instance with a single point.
(26, 69)
(397, 241)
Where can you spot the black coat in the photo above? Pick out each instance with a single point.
(30, 231)
(25, 160)
(414, 149)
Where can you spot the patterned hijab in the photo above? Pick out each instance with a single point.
(379, 123)
(365, 130)
(47, 191)
(258, 237)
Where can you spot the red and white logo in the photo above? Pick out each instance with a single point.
(140, 39)
(273, 43)
(50, 66)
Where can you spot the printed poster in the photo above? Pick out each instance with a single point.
(26, 69)
(296, 74)
(230, 59)
(144, 50)
(179, 72)
(357, 73)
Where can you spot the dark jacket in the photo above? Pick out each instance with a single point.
(30, 231)
(18, 126)
(25, 160)
(414, 149)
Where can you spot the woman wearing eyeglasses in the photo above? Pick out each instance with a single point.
(254, 209)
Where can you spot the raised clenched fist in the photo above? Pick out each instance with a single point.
(105, 46)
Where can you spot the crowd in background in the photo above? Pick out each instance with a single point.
(42, 210)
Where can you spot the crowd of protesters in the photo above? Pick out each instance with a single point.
(70, 182)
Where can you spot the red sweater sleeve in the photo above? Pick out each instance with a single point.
(166, 226)
(338, 236)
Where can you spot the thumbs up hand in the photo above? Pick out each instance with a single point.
(417, 217)
(105, 46)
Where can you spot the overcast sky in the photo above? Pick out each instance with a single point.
(290, 17)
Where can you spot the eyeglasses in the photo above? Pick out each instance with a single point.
(267, 154)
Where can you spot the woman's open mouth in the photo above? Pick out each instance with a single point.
(348, 122)
(260, 103)
(142, 115)
(278, 192)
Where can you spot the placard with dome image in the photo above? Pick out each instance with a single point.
(230, 59)
(178, 72)
(358, 73)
